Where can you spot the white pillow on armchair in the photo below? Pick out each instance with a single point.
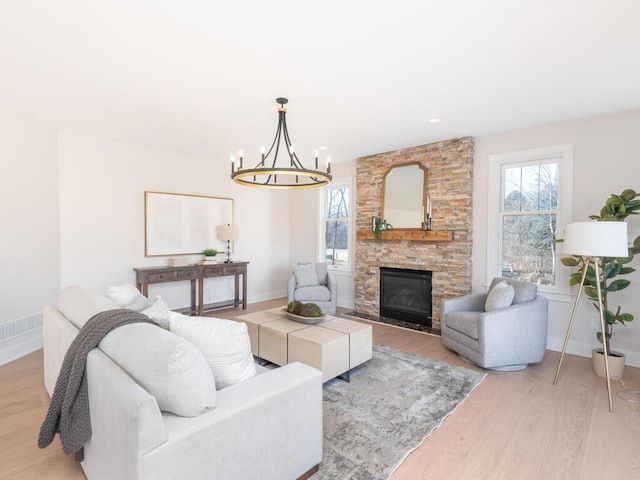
(305, 275)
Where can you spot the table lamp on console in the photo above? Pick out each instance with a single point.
(228, 233)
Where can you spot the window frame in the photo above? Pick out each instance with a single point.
(536, 156)
(322, 220)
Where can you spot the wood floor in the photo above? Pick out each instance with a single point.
(515, 425)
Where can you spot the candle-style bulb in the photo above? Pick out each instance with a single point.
(232, 162)
(328, 164)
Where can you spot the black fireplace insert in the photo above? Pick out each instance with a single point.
(405, 294)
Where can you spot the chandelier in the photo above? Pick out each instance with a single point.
(290, 173)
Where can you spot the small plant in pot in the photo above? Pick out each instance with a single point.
(210, 253)
(616, 209)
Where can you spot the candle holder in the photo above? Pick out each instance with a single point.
(427, 222)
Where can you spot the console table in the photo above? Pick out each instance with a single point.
(196, 274)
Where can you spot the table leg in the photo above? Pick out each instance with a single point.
(236, 300)
(200, 296)
(244, 291)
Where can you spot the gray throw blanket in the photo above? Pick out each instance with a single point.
(68, 412)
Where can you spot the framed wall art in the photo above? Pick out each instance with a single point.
(181, 224)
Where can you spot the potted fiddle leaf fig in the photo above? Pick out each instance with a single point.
(616, 209)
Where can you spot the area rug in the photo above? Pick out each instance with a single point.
(393, 402)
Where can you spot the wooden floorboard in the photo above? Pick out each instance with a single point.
(515, 425)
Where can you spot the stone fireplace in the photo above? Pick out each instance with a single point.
(446, 252)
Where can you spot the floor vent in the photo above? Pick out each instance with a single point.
(14, 328)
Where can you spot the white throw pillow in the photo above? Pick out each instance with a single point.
(165, 365)
(305, 275)
(500, 296)
(159, 312)
(79, 305)
(225, 345)
(128, 296)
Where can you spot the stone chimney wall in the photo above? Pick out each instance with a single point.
(449, 167)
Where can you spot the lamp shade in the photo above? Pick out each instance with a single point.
(227, 232)
(596, 239)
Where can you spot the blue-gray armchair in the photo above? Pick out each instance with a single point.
(507, 337)
(313, 282)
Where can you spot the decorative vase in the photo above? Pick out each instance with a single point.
(616, 363)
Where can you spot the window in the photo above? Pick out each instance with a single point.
(336, 242)
(529, 219)
(530, 204)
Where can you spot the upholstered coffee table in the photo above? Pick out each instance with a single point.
(334, 346)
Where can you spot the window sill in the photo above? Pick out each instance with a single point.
(341, 271)
(556, 297)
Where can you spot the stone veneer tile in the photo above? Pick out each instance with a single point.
(449, 167)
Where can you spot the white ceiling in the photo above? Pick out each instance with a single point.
(362, 77)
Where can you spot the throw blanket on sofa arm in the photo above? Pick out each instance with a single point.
(68, 412)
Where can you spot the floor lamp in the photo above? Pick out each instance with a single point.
(592, 241)
(228, 233)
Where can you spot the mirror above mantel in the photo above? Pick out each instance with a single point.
(405, 196)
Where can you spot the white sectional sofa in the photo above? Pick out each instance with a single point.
(268, 426)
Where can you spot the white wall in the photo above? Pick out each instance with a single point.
(304, 225)
(605, 162)
(30, 235)
(102, 186)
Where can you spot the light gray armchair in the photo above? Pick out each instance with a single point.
(507, 338)
(321, 289)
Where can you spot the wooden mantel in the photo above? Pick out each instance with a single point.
(414, 235)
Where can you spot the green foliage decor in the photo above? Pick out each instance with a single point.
(304, 309)
(616, 209)
(381, 226)
(210, 252)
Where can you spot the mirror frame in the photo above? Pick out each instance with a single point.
(424, 193)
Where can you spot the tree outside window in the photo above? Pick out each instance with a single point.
(529, 221)
(337, 226)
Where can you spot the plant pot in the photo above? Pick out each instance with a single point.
(616, 362)
(210, 259)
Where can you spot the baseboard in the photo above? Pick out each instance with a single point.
(584, 350)
(20, 345)
(347, 304)
(263, 297)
